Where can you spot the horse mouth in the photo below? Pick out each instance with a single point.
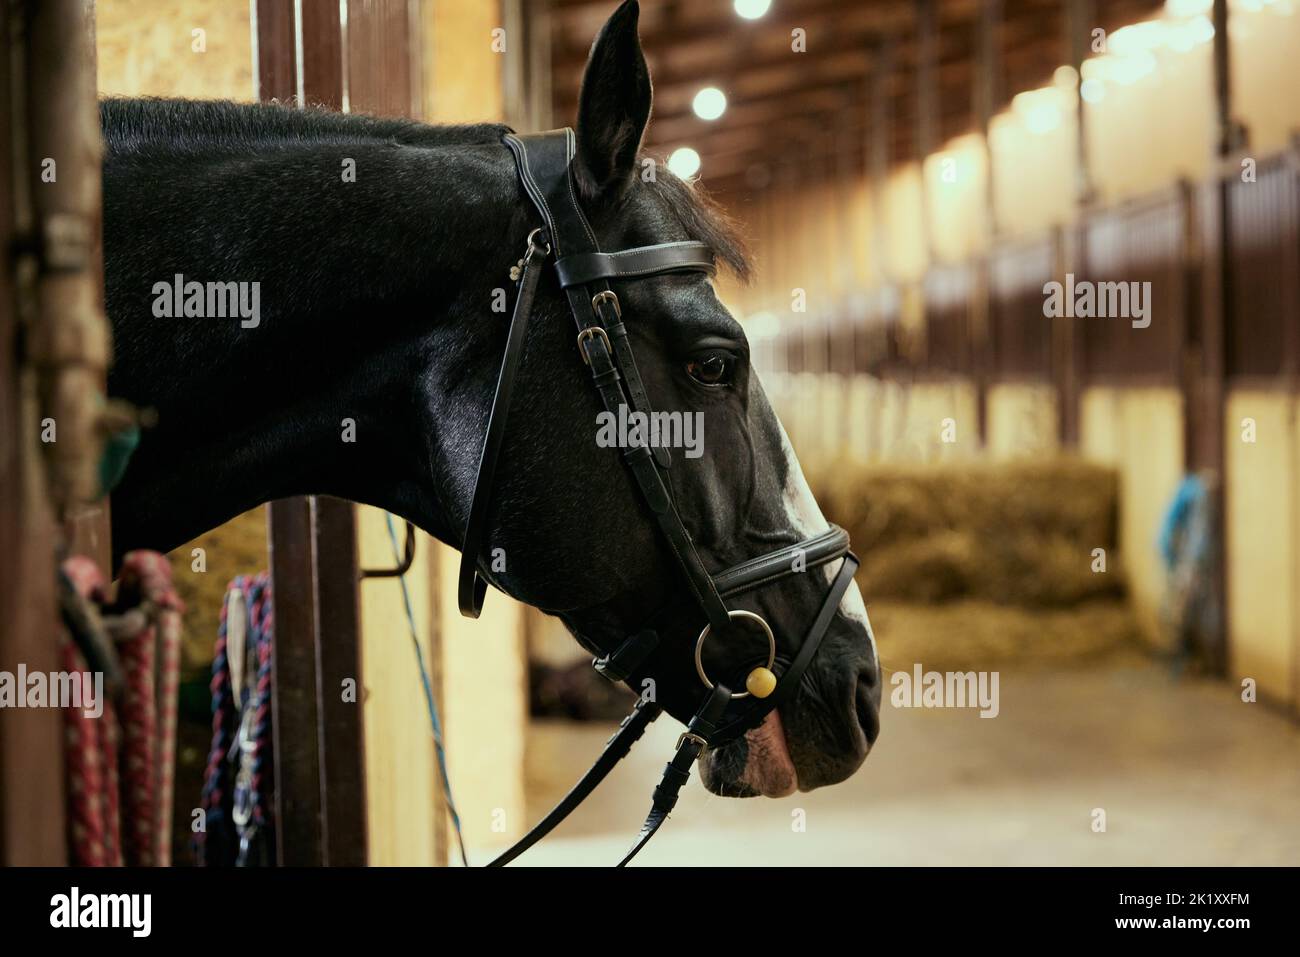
(758, 763)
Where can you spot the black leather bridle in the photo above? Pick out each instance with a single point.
(544, 161)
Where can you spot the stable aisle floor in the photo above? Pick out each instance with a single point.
(1185, 771)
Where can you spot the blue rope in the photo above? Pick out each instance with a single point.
(428, 694)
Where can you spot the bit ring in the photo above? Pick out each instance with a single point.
(745, 616)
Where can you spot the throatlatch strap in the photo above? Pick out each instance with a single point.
(471, 587)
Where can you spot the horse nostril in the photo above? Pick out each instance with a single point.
(864, 705)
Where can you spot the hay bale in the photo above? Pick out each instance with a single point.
(883, 504)
(1019, 533)
(984, 636)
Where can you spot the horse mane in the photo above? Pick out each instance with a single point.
(704, 220)
(160, 127)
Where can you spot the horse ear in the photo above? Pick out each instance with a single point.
(613, 107)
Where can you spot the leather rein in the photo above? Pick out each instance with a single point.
(544, 162)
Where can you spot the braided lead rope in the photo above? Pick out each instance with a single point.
(91, 823)
(139, 730)
(109, 747)
(262, 632)
(147, 577)
(215, 798)
(85, 780)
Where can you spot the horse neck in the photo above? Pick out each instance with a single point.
(364, 288)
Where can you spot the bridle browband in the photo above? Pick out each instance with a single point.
(544, 162)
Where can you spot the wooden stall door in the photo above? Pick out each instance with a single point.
(355, 56)
(53, 355)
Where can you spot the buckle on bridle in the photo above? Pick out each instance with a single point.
(592, 332)
(607, 296)
(690, 736)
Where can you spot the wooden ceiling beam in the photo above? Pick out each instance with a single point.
(814, 105)
(954, 101)
(845, 60)
(715, 25)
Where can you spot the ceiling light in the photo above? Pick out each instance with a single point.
(685, 162)
(752, 9)
(710, 103)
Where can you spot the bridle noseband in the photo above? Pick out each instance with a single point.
(544, 162)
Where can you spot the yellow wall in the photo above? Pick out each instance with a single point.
(146, 48)
(1264, 64)
(1263, 541)
(462, 77)
(484, 668)
(1021, 420)
(1140, 433)
(485, 700)
(1149, 121)
(831, 418)
(402, 782)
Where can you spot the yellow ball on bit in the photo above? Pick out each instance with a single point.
(761, 682)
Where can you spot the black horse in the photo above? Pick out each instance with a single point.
(361, 275)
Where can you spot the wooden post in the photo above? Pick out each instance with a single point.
(1078, 26)
(275, 37)
(304, 53)
(1072, 245)
(299, 808)
(32, 792)
(983, 97)
(880, 150)
(926, 107)
(1207, 451)
(338, 667)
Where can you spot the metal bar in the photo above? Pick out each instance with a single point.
(403, 566)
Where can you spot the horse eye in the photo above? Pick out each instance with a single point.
(716, 368)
